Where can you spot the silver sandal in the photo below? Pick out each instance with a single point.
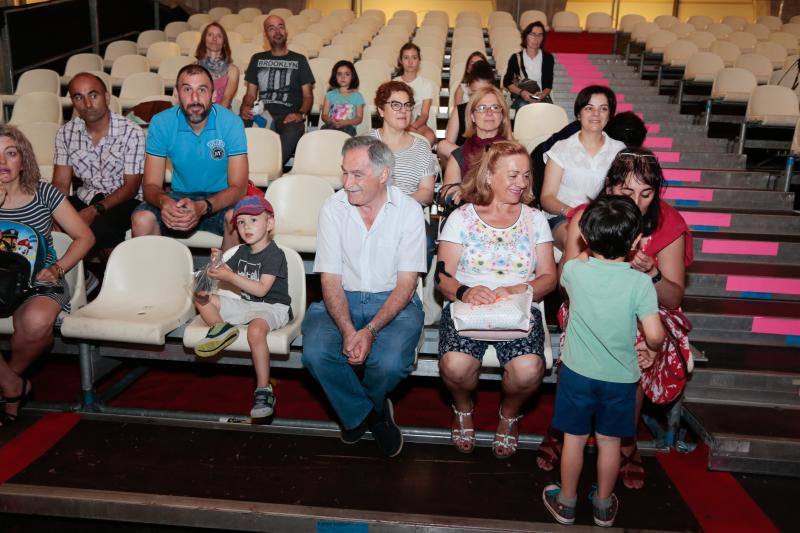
(506, 440)
(463, 438)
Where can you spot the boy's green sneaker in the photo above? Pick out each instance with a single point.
(263, 403)
(219, 337)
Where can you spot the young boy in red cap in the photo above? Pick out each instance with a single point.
(258, 269)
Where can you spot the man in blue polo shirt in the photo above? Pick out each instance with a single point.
(208, 149)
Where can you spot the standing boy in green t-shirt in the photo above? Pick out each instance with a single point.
(599, 365)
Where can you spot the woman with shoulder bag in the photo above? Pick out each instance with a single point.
(529, 76)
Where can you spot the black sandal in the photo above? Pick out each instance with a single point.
(7, 419)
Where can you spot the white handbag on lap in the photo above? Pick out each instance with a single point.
(506, 319)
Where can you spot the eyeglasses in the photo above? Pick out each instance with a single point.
(397, 106)
(485, 108)
(537, 35)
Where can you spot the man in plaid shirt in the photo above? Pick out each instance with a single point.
(105, 151)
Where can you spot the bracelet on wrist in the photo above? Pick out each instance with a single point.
(655, 279)
(460, 292)
(60, 270)
(374, 332)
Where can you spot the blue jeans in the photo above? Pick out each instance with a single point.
(389, 361)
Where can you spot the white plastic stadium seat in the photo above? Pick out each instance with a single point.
(146, 293)
(148, 37)
(36, 107)
(187, 41)
(75, 280)
(566, 21)
(319, 153)
(297, 228)
(263, 155)
(534, 123)
(278, 341)
(81, 63)
(116, 49)
(127, 65)
(216, 13)
(35, 80)
(42, 136)
(173, 29)
(140, 85)
(159, 51)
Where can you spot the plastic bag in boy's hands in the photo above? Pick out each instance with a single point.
(203, 284)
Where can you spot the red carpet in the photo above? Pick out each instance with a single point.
(716, 499)
(31, 444)
(585, 43)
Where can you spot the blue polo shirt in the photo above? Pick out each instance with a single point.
(200, 162)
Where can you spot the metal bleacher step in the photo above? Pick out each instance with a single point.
(737, 387)
(742, 321)
(703, 160)
(729, 223)
(757, 201)
(721, 179)
(769, 443)
(742, 286)
(744, 251)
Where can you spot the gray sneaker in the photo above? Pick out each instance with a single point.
(562, 513)
(263, 403)
(219, 337)
(604, 517)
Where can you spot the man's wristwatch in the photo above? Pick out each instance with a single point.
(369, 327)
(209, 207)
(99, 208)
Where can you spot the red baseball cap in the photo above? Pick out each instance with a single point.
(252, 205)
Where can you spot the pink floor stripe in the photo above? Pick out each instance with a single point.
(681, 193)
(620, 97)
(658, 142)
(640, 115)
(761, 284)
(680, 174)
(668, 157)
(723, 246)
(775, 326)
(653, 128)
(621, 108)
(699, 218)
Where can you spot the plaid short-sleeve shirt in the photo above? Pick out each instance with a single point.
(101, 167)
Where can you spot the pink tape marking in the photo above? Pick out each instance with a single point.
(653, 128)
(700, 218)
(668, 157)
(761, 284)
(624, 107)
(723, 246)
(641, 116)
(680, 174)
(658, 142)
(775, 326)
(620, 98)
(683, 193)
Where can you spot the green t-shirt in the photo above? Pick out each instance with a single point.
(604, 301)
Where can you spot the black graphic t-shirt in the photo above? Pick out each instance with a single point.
(271, 260)
(280, 80)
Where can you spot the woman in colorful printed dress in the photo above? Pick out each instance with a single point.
(491, 247)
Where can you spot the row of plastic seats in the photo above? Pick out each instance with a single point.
(701, 22)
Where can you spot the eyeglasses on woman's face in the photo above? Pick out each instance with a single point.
(486, 108)
(397, 106)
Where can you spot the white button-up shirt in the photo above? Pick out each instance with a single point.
(368, 260)
(584, 175)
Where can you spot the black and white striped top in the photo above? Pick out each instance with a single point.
(412, 164)
(38, 214)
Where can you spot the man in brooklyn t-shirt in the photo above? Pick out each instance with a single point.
(283, 82)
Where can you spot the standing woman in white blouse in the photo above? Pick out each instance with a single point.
(576, 167)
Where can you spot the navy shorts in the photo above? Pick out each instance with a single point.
(578, 398)
(214, 223)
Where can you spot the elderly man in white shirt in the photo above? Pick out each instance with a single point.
(370, 250)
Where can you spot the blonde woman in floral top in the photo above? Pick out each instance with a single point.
(493, 246)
